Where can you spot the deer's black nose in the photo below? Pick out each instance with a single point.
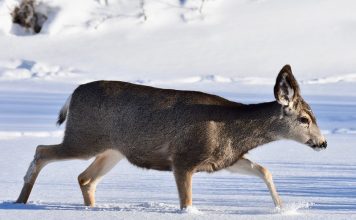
(324, 144)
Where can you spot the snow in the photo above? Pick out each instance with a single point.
(237, 38)
(334, 79)
(25, 69)
(5, 135)
(229, 48)
(191, 210)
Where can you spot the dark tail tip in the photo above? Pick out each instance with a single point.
(61, 118)
(63, 112)
(62, 115)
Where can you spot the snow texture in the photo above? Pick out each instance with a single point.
(230, 48)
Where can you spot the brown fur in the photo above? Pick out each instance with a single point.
(183, 131)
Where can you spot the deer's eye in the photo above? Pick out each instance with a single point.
(304, 120)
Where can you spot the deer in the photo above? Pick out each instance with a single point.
(173, 130)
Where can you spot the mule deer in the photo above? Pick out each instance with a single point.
(170, 130)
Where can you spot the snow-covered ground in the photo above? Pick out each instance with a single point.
(231, 48)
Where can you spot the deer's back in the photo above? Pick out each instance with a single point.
(139, 120)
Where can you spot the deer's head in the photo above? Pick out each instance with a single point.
(299, 122)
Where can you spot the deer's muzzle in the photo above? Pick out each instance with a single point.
(317, 147)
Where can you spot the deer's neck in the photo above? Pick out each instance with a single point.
(256, 125)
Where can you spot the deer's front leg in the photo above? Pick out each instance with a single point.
(184, 185)
(247, 167)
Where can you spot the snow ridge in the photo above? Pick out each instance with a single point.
(19, 69)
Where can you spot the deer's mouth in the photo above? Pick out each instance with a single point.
(316, 147)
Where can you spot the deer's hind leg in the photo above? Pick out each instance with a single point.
(247, 167)
(44, 155)
(89, 179)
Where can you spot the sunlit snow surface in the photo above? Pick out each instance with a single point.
(230, 48)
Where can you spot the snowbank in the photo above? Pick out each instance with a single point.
(227, 41)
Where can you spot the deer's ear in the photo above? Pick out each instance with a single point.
(286, 90)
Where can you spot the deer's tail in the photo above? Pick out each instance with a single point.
(64, 111)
